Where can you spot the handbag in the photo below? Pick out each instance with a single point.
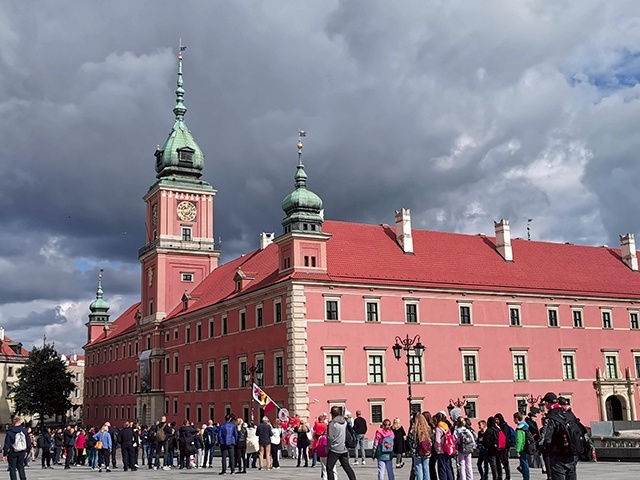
(98, 445)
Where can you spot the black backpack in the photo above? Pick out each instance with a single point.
(530, 443)
(578, 439)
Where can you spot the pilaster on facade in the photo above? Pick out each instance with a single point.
(297, 362)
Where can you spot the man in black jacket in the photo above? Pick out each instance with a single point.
(360, 427)
(69, 437)
(554, 442)
(115, 443)
(127, 436)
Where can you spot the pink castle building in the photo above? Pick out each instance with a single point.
(318, 308)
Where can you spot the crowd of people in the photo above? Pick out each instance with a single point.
(440, 446)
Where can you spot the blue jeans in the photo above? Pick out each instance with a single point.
(421, 467)
(359, 447)
(208, 454)
(385, 465)
(524, 465)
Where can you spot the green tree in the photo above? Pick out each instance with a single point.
(44, 384)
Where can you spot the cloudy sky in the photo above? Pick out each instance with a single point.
(465, 112)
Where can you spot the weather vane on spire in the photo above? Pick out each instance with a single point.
(301, 135)
(181, 49)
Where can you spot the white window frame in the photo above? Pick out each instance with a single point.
(330, 352)
(633, 312)
(260, 308)
(187, 384)
(258, 357)
(240, 314)
(186, 232)
(411, 301)
(636, 362)
(472, 399)
(224, 326)
(468, 305)
(376, 352)
(332, 298)
(421, 364)
(515, 307)
(470, 352)
(278, 354)
(603, 313)
(376, 402)
(275, 311)
(553, 308)
(187, 277)
(611, 353)
(242, 358)
(374, 301)
(568, 352)
(224, 363)
(524, 353)
(573, 319)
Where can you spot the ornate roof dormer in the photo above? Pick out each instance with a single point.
(302, 207)
(99, 306)
(180, 158)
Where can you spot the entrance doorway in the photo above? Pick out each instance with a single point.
(615, 408)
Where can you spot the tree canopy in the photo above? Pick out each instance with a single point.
(44, 384)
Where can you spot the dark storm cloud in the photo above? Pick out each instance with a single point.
(465, 113)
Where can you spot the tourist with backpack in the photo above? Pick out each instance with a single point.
(445, 446)
(525, 444)
(17, 443)
(492, 440)
(383, 443)
(483, 454)
(465, 444)
(504, 448)
(419, 440)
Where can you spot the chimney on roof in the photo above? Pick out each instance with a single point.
(266, 239)
(1, 334)
(628, 251)
(403, 230)
(503, 239)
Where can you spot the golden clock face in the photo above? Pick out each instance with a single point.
(154, 214)
(187, 211)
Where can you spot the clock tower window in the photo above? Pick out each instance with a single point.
(186, 234)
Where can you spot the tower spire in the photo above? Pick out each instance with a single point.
(301, 175)
(179, 110)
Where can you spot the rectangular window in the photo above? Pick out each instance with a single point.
(260, 366)
(411, 311)
(611, 366)
(211, 328)
(225, 326)
(376, 369)
(198, 414)
(552, 317)
(522, 406)
(415, 408)
(259, 317)
(175, 363)
(176, 335)
(372, 312)
(187, 277)
(519, 366)
(175, 406)
(243, 368)
(187, 379)
(198, 332)
(470, 368)
(514, 316)
(212, 376)
(225, 376)
(278, 312)
(198, 378)
(167, 365)
(568, 366)
(376, 413)
(212, 412)
(636, 360)
(606, 320)
(187, 334)
(186, 234)
(471, 409)
(243, 321)
(415, 368)
(633, 320)
(10, 372)
(331, 309)
(333, 372)
(577, 318)
(465, 315)
(279, 370)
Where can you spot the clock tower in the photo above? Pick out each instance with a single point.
(179, 251)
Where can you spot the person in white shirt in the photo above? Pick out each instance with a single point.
(276, 444)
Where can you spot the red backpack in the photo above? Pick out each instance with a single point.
(502, 440)
(448, 443)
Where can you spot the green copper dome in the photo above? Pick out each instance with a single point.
(302, 207)
(99, 305)
(180, 156)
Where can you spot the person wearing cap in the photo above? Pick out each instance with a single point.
(562, 465)
(336, 445)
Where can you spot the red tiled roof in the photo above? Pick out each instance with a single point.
(5, 348)
(125, 323)
(369, 254)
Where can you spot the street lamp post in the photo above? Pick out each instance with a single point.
(410, 346)
(250, 375)
(533, 401)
